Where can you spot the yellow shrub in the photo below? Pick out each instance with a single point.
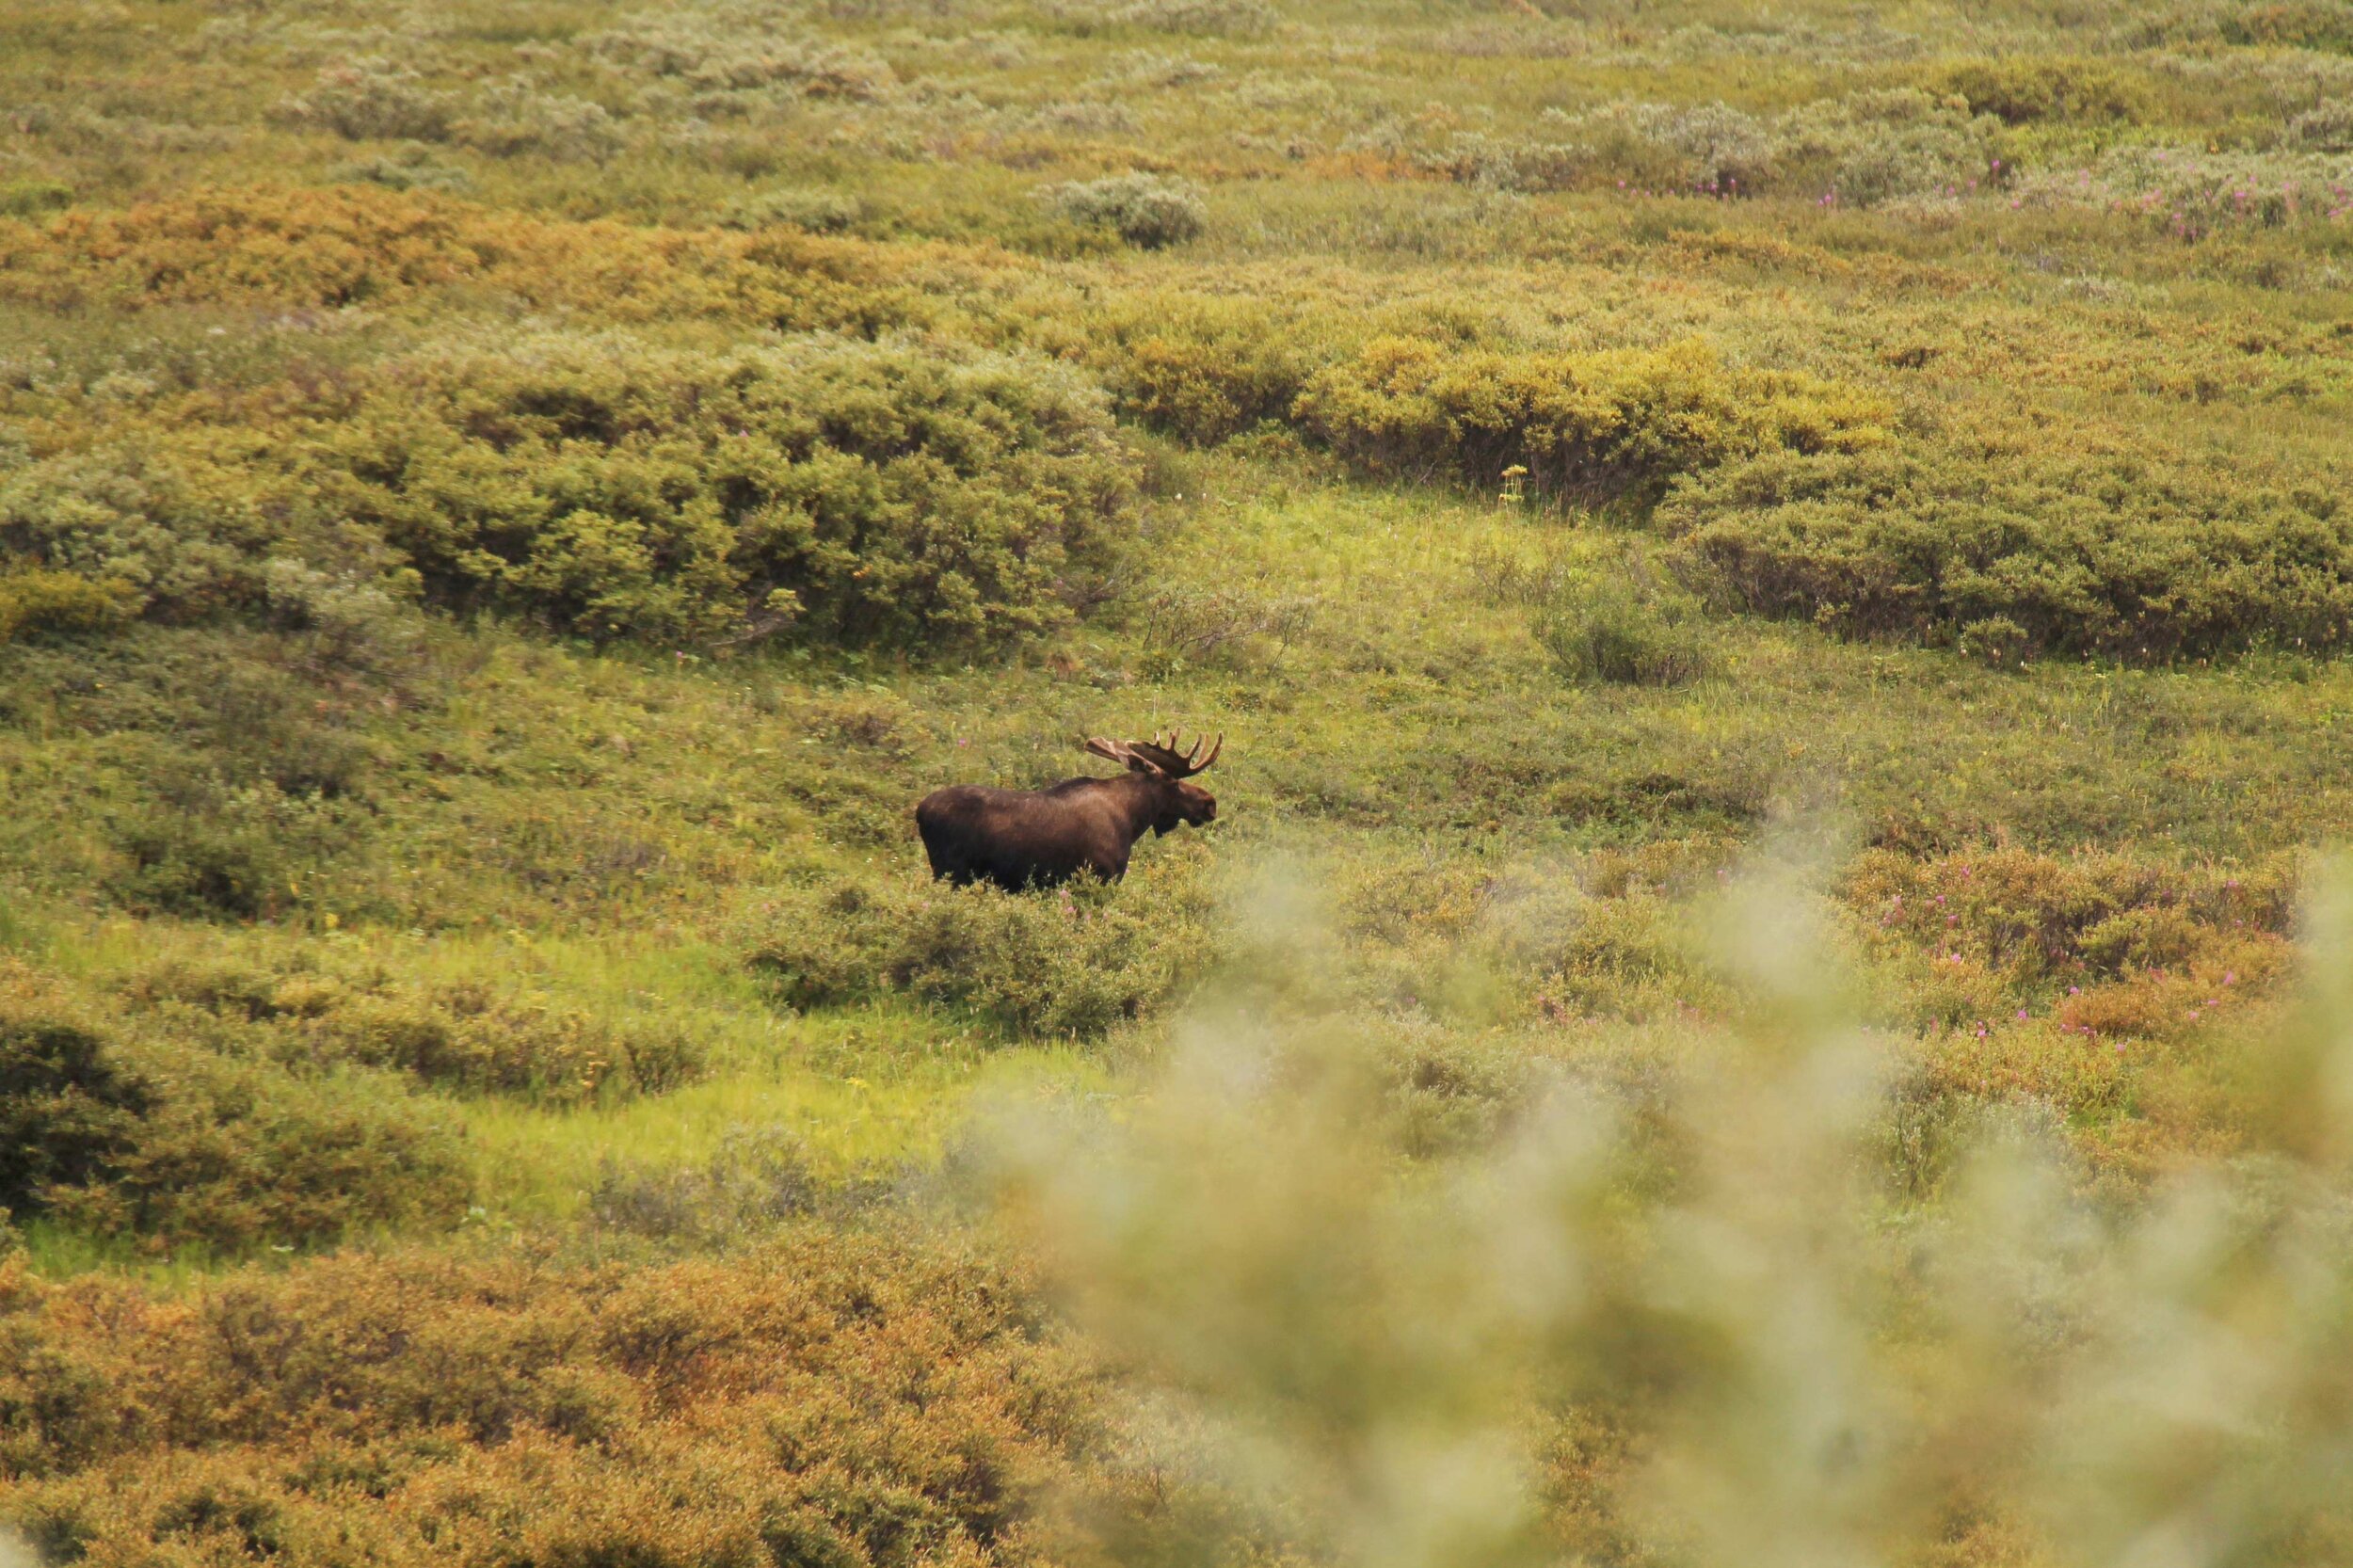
(347, 245)
(830, 1399)
(1620, 422)
(34, 600)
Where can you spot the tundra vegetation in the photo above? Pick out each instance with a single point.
(1778, 996)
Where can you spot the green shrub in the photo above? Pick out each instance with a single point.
(1623, 634)
(370, 100)
(1876, 147)
(32, 198)
(1145, 210)
(2019, 90)
(66, 1105)
(513, 118)
(2324, 127)
(1207, 370)
(819, 212)
(177, 519)
(2120, 556)
(2189, 193)
(218, 861)
(1861, 149)
(120, 1133)
(832, 491)
(1215, 18)
(841, 492)
(1711, 147)
(736, 50)
(464, 1035)
(1618, 422)
(1050, 964)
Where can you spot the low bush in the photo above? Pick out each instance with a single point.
(1587, 427)
(2326, 127)
(1146, 210)
(512, 118)
(841, 492)
(1205, 369)
(1859, 150)
(1212, 18)
(2021, 90)
(371, 99)
(412, 168)
(32, 198)
(2113, 555)
(351, 245)
(825, 490)
(36, 602)
(2106, 944)
(818, 211)
(177, 519)
(727, 52)
(1623, 634)
(1068, 963)
(827, 1399)
(466, 1035)
(2189, 193)
(120, 1133)
(1876, 147)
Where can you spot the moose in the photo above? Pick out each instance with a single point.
(1019, 839)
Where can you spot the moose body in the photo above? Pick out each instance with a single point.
(1030, 837)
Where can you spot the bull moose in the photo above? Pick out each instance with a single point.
(1023, 838)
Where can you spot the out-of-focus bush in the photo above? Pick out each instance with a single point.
(176, 521)
(32, 198)
(819, 212)
(1148, 211)
(2324, 127)
(1207, 369)
(1618, 422)
(1073, 963)
(1201, 18)
(1667, 1309)
(2120, 556)
(1859, 150)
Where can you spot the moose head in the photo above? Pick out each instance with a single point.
(1176, 802)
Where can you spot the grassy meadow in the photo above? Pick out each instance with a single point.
(1770, 982)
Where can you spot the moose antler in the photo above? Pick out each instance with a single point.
(1162, 752)
(1158, 755)
(1116, 751)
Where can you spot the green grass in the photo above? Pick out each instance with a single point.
(1472, 817)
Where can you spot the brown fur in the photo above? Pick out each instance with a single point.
(1039, 838)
